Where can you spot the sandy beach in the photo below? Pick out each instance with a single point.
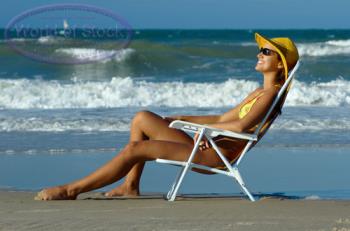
(92, 212)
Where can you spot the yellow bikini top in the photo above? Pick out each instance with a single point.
(245, 109)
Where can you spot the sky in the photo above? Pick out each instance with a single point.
(211, 14)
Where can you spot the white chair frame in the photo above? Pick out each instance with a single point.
(210, 132)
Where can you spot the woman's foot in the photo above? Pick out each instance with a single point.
(55, 193)
(123, 190)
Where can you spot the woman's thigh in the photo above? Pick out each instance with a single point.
(157, 128)
(153, 149)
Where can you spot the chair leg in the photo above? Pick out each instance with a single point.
(176, 185)
(240, 181)
(173, 191)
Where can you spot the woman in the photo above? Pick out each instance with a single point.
(151, 138)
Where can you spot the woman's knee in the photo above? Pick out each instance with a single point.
(141, 116)
(137, 150)
(133, 149)
(132, 153)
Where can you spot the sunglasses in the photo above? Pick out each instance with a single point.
(267, 51)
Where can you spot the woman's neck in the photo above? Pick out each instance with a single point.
(270, 80)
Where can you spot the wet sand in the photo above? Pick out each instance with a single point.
(18, 211)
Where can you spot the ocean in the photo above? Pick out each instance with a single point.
(83, 111)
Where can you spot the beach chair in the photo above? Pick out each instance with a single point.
(231, 169)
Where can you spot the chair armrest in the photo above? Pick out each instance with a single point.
(210, 131)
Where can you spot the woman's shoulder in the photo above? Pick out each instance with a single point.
(269, 93)
(256, 92)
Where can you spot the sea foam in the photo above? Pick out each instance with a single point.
(49, 40)
(63, 124)
(328, 48)
(92, 54)
(124, 92)
(87, 124)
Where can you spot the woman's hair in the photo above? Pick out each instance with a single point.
(281, 74)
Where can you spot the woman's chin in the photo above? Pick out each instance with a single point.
(258, 68)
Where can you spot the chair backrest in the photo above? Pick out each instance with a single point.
(277, 104)
(271, 115)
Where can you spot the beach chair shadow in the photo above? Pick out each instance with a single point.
(184, 197)
(231, 168)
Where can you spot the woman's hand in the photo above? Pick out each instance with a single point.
(169, 119)
(203, 144)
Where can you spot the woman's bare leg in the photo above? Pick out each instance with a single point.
(119, 166)
(146, 126)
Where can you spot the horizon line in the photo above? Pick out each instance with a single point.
(163, 28)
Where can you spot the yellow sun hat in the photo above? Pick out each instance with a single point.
(285, 47)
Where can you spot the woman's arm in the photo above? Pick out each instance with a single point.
(255, 115)
(212, 119)
(196, 119)
(233, 114)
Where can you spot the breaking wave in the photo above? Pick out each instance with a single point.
(123, 92)
(92, 54)
(328, 48)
